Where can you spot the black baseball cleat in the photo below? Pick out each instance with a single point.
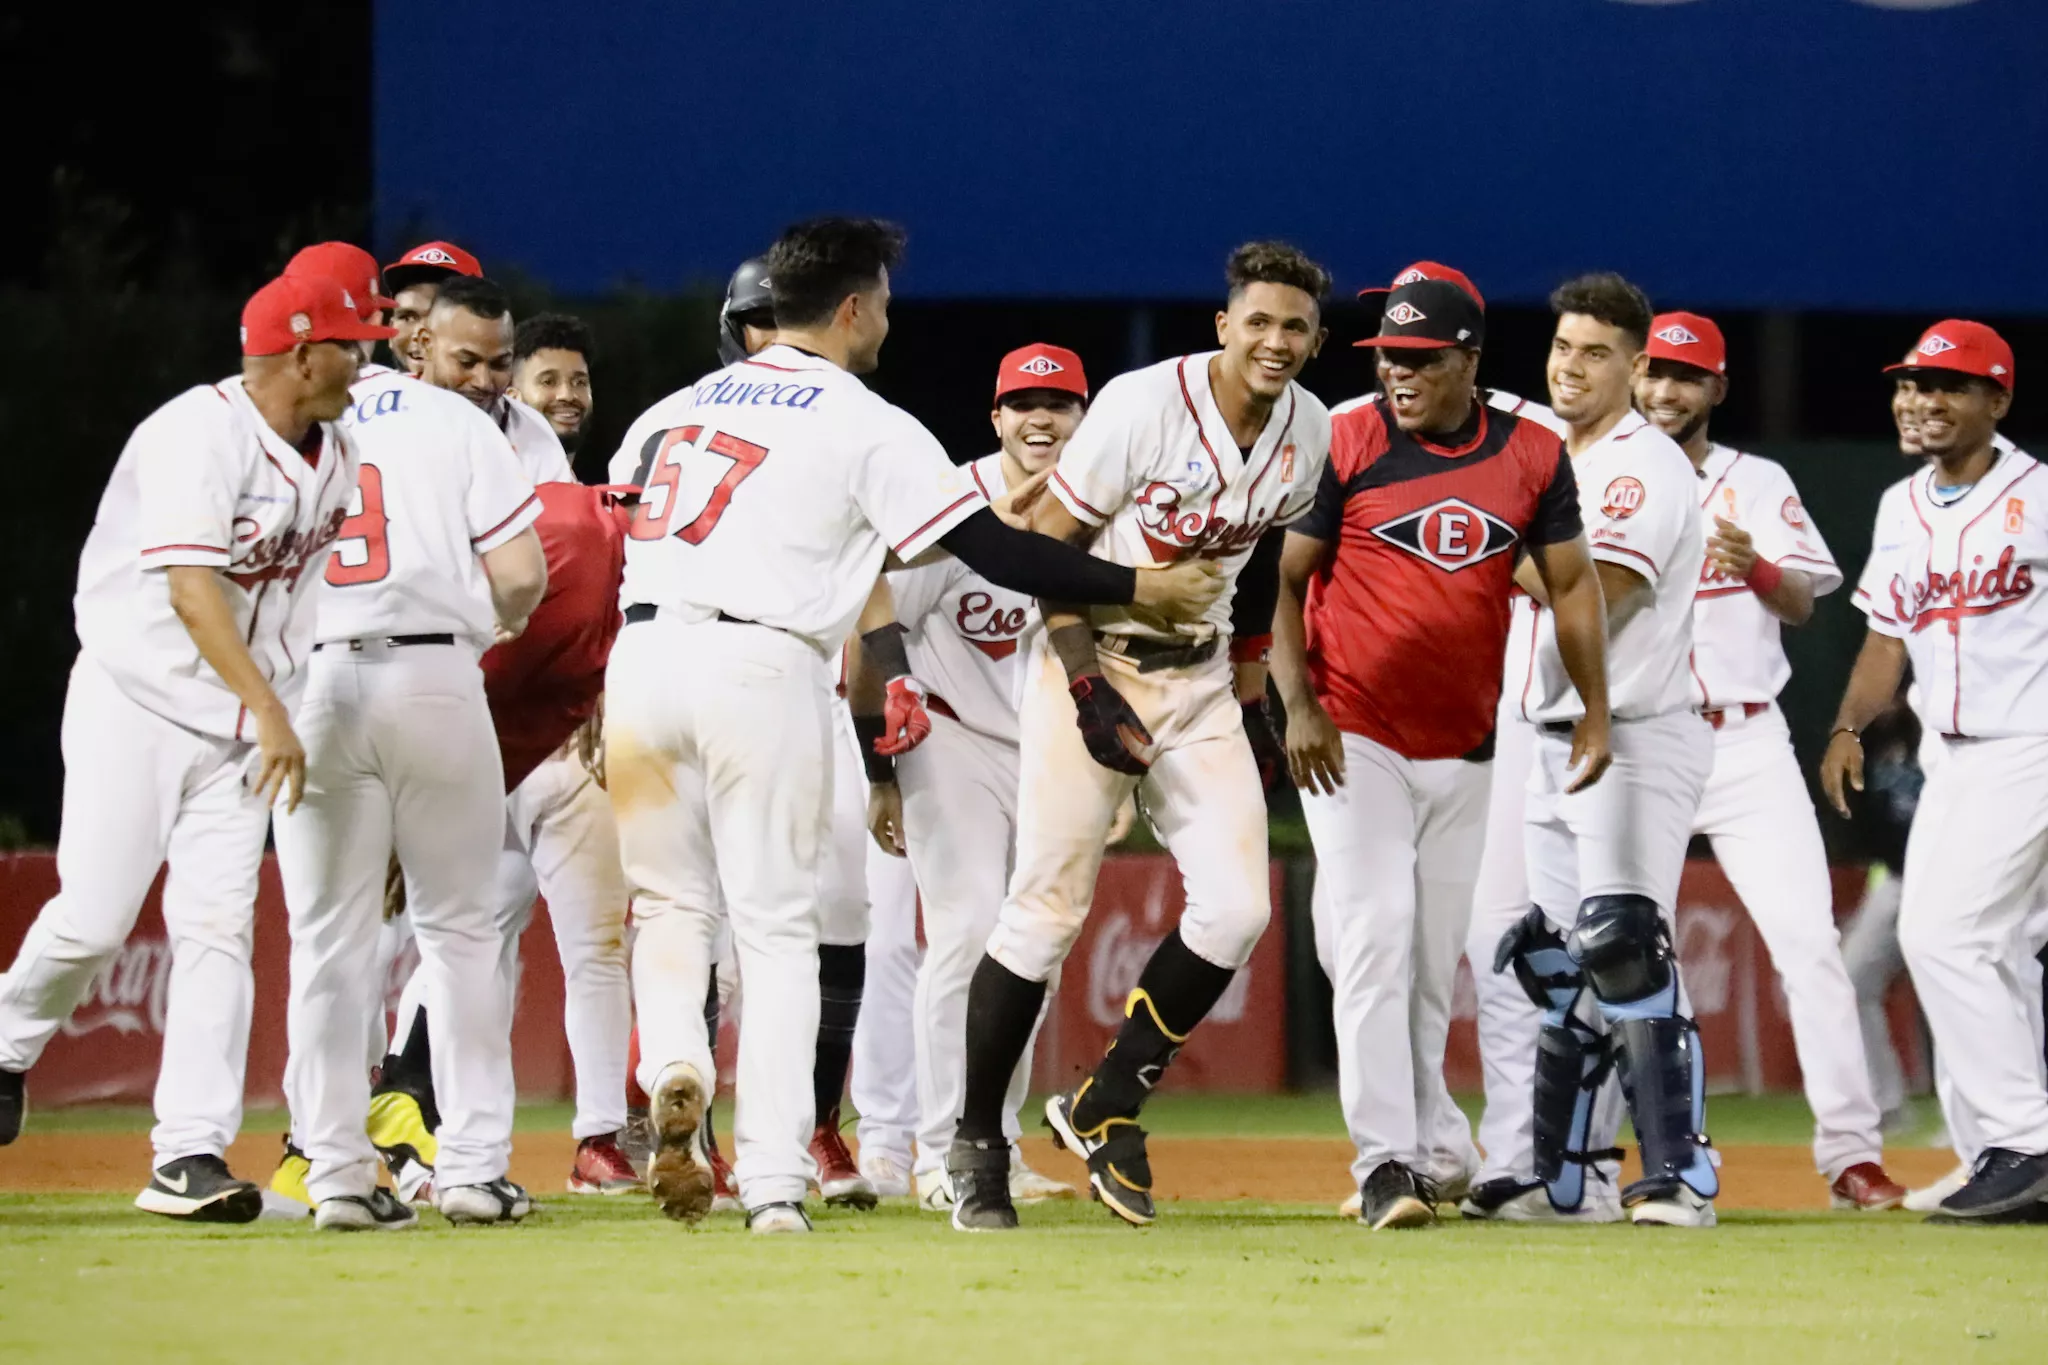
(202, 1190)
(2002, 1180)
(1489, 1197)
(1392, 1197)
(13, 1104)
(1119, 1174)
(377, 1211)
(979, 1170)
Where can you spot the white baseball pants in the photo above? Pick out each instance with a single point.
(843, 871)
(562, 844)
(719, 756)
(1977, 850)
(1202, 794)
(884, 1082)
(1397, 848)
(959, 819)
(1759, 818)
(1870, 954)
(1508, 1023)
(400, 756)
(140, 790)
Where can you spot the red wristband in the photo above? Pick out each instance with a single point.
(1250, 649)
(1764, 577)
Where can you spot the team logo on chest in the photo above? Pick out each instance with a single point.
(1172, 530)
(1452, 534)
(987, 625)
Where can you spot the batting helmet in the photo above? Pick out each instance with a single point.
(748, 299)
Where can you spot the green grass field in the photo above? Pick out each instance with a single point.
(87, 1278)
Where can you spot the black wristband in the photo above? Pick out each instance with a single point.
(880, 767)
(885, 646)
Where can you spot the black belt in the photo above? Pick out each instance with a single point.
(647, 611)
(1558, 727)
(388, 641)
(1151, 656)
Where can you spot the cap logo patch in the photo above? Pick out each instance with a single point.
(1409, 277)
(301, 325)
(1404, 312)
(433, 255)
(348, 298)
(1935, 345)
(1677, 335)
(1041, 365)
(1998, 369)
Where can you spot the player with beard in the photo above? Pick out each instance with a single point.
(413, 280)
(551, 359)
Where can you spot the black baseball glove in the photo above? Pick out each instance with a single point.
(1116, 738)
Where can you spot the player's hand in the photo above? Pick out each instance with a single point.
(1116, 738)
(1315, 749)
(1122, 822)
(1266, 750)
(905, 723)
(885, 818)
(1180, 592)
(1592, 747)
(1730, 549)
(282, 770)
(1014, 506)
(1841, 768)
(501, 631)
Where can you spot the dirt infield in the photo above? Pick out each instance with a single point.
(1277, 1170)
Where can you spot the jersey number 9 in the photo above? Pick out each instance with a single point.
(362, 553)
(662, 466)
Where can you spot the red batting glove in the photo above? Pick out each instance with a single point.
(904, 720)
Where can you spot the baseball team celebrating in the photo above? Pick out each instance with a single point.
(794, 683)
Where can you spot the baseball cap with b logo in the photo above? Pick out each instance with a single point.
(1039, 366)
(429, 262)
(1961, 347)
(298, 308)
(1689, 339)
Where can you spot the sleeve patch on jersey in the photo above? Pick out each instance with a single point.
(1623, 498)
(1793, 513)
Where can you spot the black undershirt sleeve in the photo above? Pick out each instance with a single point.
(1324, 519)
(1258, 586)
(1036, 565)
(1557, 507)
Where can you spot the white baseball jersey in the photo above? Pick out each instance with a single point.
(1638, 493)
(440, 487)
(205, 481)
(1738, 654)
(964, 632)
(1155, 463)
(1953, 577)
(774, 489)
(540, 451)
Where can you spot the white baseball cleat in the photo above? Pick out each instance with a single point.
(935, 1191)
(1927, 1199)
(1601, 1205)
(778, 1217)
(494, 1201)
(889, 1176)
(1682, 1208)
(377, 1211)
(1029, 1187)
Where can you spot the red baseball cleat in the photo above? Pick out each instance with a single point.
(839, 1179)
(1865, 1188)
(601, 1168)
(725, 1191)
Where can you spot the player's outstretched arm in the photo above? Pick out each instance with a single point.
(518, 572)
(1045, 567)
(1576, 588)
(1315, 749)
(1786, 593)
(1873, 682)
(197, 597)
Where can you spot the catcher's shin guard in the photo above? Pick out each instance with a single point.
(1571, 1064)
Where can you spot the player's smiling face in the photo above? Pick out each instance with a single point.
(1268, 333)
(467, 354)
(1958, 414)
(1678, 398)
(410, 307)
(1428, 389)
(1033, 426)
(1906, 414)
(1593, 365)
(556, 383)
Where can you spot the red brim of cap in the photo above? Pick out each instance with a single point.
(379, 301)
(361, 331)
(1921, 367)
(1407, 343)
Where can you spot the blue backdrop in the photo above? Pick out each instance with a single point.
(1728, 153)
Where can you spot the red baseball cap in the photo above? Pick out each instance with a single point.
(1688, 339)
(1039, 366)
(295, 308)
(348, 263)
(430, 261)
(1430, 270)
(1961, 347)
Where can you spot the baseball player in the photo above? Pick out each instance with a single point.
(195, 618)
(1595, 950)
(951, 803)
(414, 279)
(1950, 586)
(776, 489)
(1391, 678)
(1766, 562)
(551, 360)
(437, 560)
(1196, 458)
(466, 345)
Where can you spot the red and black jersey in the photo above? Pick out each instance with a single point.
(1407, 616)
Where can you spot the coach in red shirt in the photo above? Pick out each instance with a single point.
(1390, 682)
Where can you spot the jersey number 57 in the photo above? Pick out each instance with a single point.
(666, 458)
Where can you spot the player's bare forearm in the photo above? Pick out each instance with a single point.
(1250, 677)
(1873, 682)
(1790, 598)
(1582, 641)
(1530, 580)
(1786, 593)
(1623, 591)
(518, 574)
(202, 605)
(1288, 659)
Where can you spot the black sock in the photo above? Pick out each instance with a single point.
(1002, 1007)
(711, 1032)
(411, 1069)
(1175, 992)
(842, 971)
